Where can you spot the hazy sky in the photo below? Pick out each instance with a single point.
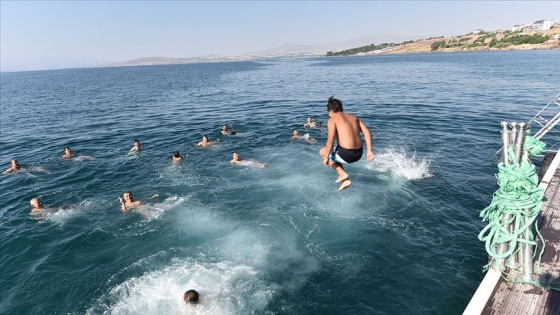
(59, 34)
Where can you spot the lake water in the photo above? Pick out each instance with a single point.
(280, 240)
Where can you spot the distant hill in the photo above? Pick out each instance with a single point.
(365, 46)
(285, 50)
(498, 40)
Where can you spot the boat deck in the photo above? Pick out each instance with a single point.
(497, 296)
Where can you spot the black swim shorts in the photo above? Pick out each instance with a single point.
(342, 155)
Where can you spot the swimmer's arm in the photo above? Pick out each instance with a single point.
(7, 171)
(330, 140)
(42, 170)
(154, 196)
(123, 204)
(367, 138)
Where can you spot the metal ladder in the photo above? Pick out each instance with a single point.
(548, 111)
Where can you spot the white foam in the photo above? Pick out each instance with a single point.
(224, 288)
(401, 163)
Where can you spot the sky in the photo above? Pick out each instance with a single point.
(39, 35)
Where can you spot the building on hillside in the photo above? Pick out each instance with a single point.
(542, 25)
(478, 31)
(518, 27)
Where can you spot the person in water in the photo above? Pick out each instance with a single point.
(310, 123)
(14, 168)
(296, 135)
(227, 132)
(68, 154)
(127, 201)
(236, 160)
(136, 147)
(36, 206)
(346, 129)
(176, 157)
(205, 142)
(191, 296)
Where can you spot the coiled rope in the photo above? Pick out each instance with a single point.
(519, 199)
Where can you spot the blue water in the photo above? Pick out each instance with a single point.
(281, 240)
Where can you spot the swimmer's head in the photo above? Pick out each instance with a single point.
(176, 155)
(204, 138)
(14, 164)
(334, 105)
(136, 142)
(36, 203)
(224, 127)
(295, 132)
(127, 195)
(235, 156)
(191, 296)
(67, 150)
(309, 120)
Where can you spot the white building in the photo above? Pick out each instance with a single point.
(543, 25)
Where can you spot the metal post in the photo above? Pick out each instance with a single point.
(527, 250)
(513, 260)
(520, 142)
(503, 247)
(513, 135)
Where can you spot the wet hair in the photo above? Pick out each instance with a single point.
(334, 105)
(36, 201)
(205, 136)
(130, 193)
(176, 154)
(191, 296)
(67, 148)
(16, 163)
(136, 141)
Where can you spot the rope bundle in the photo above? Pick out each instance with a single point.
(519, 199)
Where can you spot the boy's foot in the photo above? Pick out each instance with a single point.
(341, 178)
(345, 184)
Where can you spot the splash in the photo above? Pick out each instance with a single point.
(401, 163)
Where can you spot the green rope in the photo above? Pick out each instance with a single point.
(516, 203)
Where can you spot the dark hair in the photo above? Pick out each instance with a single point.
(176, 154)
(334, 105)
(191, 296)
(136, 140)
(204, 136)
(66, 148)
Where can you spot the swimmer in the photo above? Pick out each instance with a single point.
(346, 129)
(236, 160)
(191, 296)
(227, 132)
(14, 168)
(176, 157)
(136, 148)
(310, 123)
(205, 142)
(295, 136)
(68, 154)
(36, 206)
(127, 201)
